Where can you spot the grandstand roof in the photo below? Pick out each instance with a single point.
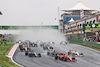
(79, 6)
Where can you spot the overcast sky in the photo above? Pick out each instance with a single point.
(33, 12)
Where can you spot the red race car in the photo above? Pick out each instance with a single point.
(62, 57)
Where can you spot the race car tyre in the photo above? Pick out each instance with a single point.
(59, 58)
(48, 53)
(21, 50)
(34, 55)
(51, 47)
(44, 48)
(53, 54)
(35, 45)
(69, 53)
(81, 53)
(56, 57)
(26, 53)
(73, 58)
(39, 55)
(30, 45)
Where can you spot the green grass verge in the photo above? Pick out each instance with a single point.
(80, 42)
(5, 61)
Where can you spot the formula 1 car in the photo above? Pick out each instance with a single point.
(51, 42)
(24, 48)
(75, 53)
(51, 52)
(39, 41)
(32, 53)
(19, 42)
(62, 57)
(41, 45)
(63, 43)
(34, 44)
(28, 43)
(47, 47)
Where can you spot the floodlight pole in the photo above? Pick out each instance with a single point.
(58, 20)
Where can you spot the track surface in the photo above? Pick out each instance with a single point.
(91, 57)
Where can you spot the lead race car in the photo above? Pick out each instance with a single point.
(47, 47)
(63, 43)
(32, 53)
(24, 48)
(39, 42)
(51, 52)
(19, 42)
(75, 53)
(51, 42)
(64, 57)
(31, 44)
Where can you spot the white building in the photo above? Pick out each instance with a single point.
(79, 11)
(76, 27)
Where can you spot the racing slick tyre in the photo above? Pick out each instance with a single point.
(21, 50)
(81, 53)
(73, 58)
(20, 46)
(59, 58)
(41, 45)
(39, 55)
(69, 53)
(48, 53)
(31, 45)
(34, 55)
(63, 58)
(35, 45)
(56, 57)
(26, 53)
(44, 48)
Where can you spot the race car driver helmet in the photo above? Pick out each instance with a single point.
(74, 50)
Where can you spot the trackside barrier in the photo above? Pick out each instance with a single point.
(6, 42)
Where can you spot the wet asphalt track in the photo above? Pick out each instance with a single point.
(91, 57)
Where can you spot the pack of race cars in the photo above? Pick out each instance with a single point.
(25, 47)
